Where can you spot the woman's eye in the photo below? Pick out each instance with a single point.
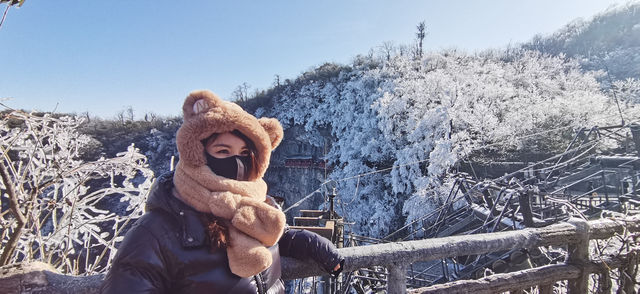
(245, 153)
(224, 151)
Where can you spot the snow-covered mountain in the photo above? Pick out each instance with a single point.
(609, 41)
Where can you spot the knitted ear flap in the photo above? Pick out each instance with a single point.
(274, 130)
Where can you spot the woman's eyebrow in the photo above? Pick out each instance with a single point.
(227, 146)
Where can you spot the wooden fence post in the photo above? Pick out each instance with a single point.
(578, 255)
(628, 275)
(604, 282)
(545, 289)
(396, 281)
(524, 196)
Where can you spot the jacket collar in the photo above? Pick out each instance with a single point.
(192, 232)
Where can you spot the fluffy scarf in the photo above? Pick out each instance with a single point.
(254, 224)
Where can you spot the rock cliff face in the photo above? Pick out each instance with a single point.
(297, 169)
(293, 184)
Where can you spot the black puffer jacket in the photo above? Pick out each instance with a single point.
(165, 252)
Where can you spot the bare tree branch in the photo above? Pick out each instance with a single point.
(4, 15)
(15, 209)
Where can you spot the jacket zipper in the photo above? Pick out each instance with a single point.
(259, 284)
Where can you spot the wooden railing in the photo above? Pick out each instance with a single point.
(396, 257)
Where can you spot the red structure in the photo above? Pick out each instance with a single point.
(305, 163)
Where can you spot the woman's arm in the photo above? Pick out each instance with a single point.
(303, 244)
(138, 266)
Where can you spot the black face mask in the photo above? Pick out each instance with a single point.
(232, 167)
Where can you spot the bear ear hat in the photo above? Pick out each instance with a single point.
(273, 127)
(205, 113)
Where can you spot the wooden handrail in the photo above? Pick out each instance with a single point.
(396, 256)
(400, 254)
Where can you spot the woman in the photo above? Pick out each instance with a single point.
(209, 226)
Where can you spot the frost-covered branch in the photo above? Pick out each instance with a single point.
(71, 213)
(15, 209)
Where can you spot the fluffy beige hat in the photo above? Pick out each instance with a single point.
(205, 114)
(254, 225)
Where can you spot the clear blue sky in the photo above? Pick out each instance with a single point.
(104, 56)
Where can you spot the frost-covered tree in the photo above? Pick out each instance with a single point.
(399, 125)
(627, 91)
(452, 105)
(57, 208)
(420, 34)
